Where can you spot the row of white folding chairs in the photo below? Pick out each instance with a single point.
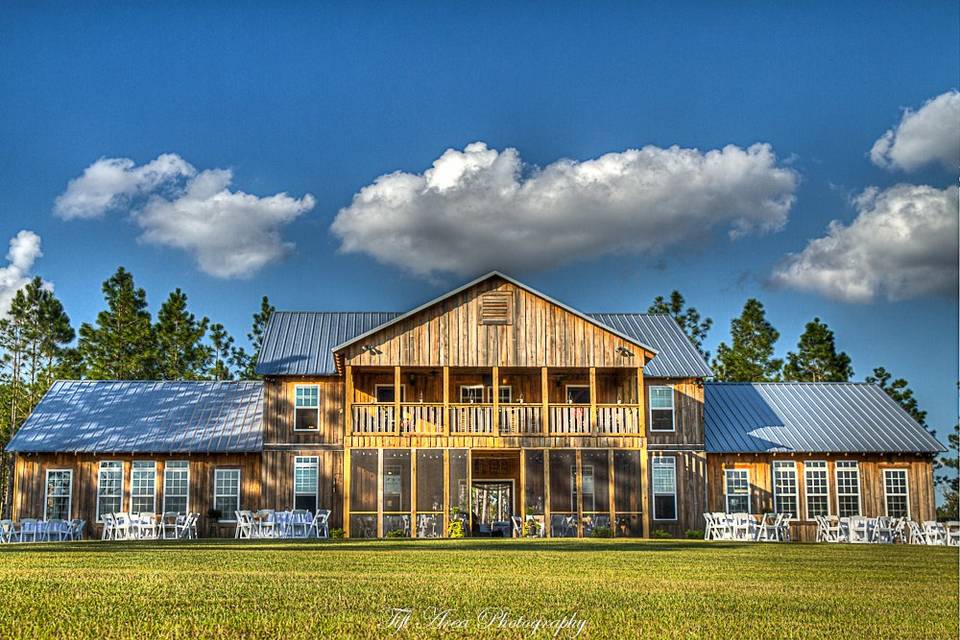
(147, 526)
(772, 527)
(859, 529)
(268, 523)
(35, 530)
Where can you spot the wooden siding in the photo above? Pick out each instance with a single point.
(450, 333)
(688, 415)
(691, 469)
(30, 477)
(277, 481)
(278, 427)
(921, 493)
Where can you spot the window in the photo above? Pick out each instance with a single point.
(307, 408)
(471, 393)
(506, 394)
(738, 491)
(578, 394)
(226, 493)
(143, 487)
(586, 483)
(385, 394)
(818, 499)
(785, 486)
(661, 409)
(176, 486)
(848, 488)
(109, 488)
(665, 488)
(59, 492)
(305, 483)
(496, 307)
(895, 491)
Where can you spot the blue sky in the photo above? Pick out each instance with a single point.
(324, 100)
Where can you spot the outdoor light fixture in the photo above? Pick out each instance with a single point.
(623, 351)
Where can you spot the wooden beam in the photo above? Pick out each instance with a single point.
(446, 400)
(592, 426)
(642, 401)
(546, 491)
(469, 531)
(579, 505)
(379, 493)
(610, 491)
(446, 492)
(397, 386)
(645, 489)
(348, 401)
(522, 489)
(413, 493)
(496, 401)
(346, 491)
(545, 401)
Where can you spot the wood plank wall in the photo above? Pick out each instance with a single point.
(691, 492)
(688, 414)
(277, 485)
(279, 394)
(540, 333)
(922, 496)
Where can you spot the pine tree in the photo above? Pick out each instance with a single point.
(221, 343)
(257, 331)
(121, 346)
(750, 358)
(899, 389)
(688, 319)
(816, 359)
(950, 481)
(181, 354)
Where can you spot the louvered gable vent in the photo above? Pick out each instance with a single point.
(496, 307)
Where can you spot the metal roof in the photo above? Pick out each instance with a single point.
(106, 416)
(302, 342)
(821, 417)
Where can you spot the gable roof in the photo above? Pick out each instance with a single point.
(301, 343)
(493, 274)
(107, 416)
(819, 417)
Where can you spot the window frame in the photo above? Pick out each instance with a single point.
(47, 495)
(472, 387)
(836, 473)
(216, 472)
(792, 466)
(166, 469)
(100, 469)
(376, 393)
(814, 466)
(133, 485)
(566, 393)
(905, 494)
(726, 489)
(659, 461)
(316, 486)
(489, 393)
(297, 409)
(673, 408)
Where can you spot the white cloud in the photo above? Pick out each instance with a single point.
(24, 251)
(228, 233)
(903, 244)
(928, 135)
(479, 209)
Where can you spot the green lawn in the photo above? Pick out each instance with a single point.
(620, 588)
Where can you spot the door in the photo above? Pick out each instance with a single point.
(493, 506)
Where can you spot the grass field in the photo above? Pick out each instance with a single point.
(603, 588)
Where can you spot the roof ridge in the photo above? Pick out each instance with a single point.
(804, 382)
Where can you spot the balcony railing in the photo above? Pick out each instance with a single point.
(516, 419)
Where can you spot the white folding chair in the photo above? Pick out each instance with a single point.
(517, 526)
(318, 528)
(28, 530)
(299, 522)
(934, 533)
(122, 529)
(883, 530)
(768, 527)
(915, 533)
(783, 527)
(952, 529)
(7, 531)
(708, 526)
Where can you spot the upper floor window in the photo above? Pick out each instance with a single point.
(109, 488)
(307, 408)
(506, 394)
(59, 494)
(895, 493)
(665, 488)
(578, 394)
(785, 486)
(738, 490)
(385, 393)
(176, 486)
(818, 498)
(472, 393)
(661, 409)
(143, 487)
(848, 488)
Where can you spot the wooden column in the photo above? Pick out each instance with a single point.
(446, 491)
(611, 486)
(645, 487)
(579, 505)
(413, 493)
(496, 401)
(379, 493)
(446, 401)
(522, 490)
(347, 401)
(396, 399)
(593, 400)
(642, 402)
(546, 493)
(346, 492)
(469, 531)
(545, 400)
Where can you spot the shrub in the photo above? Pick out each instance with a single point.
(694, 534)
(455, 528)
(396, 533)
(601, 532)
(336, 534)
(531, 529)
(661, 534)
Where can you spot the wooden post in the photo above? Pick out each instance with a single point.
(413, 493)
(522, 489)
(642, 402)
(379, 493)
(348, 401)
(346, 492)
(446, 400)
(469, 531)
(645, 485)
(579, 505)
(610, 491)
(396, 399)
(592, 427)
(496, 401)
(546, 493)
(446, 491)
(545, 400)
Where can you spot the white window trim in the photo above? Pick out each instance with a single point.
(316, 491)
(296, 408)
(789, 464)
(46, 493)
(566, 392)
(836, 478)
(906, 488)
(726, 487)
(165, 470)
(653, 491)
(508, 387)
(377, 387)
(99, 480)
(223, 516)
(463, 387)
(826, 473)
(133, 470)
(673, 408)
